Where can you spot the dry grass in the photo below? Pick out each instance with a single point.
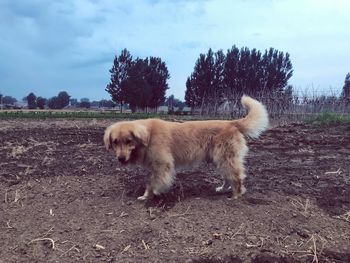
(345, 217)
(302, 205)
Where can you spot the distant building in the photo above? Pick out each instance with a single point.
(186, 109)
(20, 105)
(163, 109)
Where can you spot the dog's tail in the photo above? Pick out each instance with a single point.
(257, 120)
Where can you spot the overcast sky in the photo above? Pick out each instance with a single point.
(50, 46)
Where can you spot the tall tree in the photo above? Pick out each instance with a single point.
(345, 95)
(8, 100)
(240, 71)
(63, 99)
(190, 93)
(142, 83)
(156, 78)
(60, 101)
(41, 102)
(84, 104)
(278, 70)
(119, 75)
(31, 100)
(201, 81)
(231, 80)
(173, 102)
(137, 91)
(218, 81)
(204, 86)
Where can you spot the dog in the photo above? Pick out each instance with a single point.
(161, 146)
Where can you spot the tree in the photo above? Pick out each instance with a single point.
(95, 103)
(119, 75)
(190, 93)
(142, 83)
(278, 70)
(63, 99)
(73, 102)
(250, 72)
(216, 92)
(345, 95)
(8, 100)
(137, 91)
(41, 102)
(60, 101)
(52, 103)
(31, 100)
(173, 102)
(205, 83)
(85, 104)
(156, 77)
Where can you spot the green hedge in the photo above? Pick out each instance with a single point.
(76, 115)
(328, 118)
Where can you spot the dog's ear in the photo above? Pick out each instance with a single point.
(107, 138)
(141, 134)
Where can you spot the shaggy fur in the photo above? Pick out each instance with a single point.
(161, 146)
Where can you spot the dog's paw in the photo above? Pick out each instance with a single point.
(237, 195)
(142, 198)
(222, 189)
(243, 190)
(219, 189)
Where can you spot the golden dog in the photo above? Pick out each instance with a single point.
(161, 146)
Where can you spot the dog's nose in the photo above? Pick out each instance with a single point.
(122, 159)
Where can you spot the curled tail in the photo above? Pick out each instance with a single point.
(257, 120)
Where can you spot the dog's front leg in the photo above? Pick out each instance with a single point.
(147, 195)
(226, 186)
(160, 181)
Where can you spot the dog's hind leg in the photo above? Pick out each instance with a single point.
(229, 160)
(233, 175)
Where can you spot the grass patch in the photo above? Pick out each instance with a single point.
(328, 118)
(62, 114)
(75, 115)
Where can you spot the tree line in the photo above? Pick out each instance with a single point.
(62, 100)
(219, 77)
(142, 83)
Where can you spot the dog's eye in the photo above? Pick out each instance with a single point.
(115, 141)
(128, 141)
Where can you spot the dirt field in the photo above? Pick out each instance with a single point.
(64, 198)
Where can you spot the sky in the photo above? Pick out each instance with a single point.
(50, 46)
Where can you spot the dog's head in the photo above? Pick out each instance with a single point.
(125, 138)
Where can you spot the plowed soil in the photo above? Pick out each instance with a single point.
(64, 198)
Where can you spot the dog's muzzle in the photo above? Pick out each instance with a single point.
(122, 159)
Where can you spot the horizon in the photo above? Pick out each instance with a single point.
(50, 47)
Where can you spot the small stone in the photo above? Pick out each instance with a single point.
(208, 242)
(99, 247)
(152, 217)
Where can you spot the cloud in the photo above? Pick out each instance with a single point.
(48, 46)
